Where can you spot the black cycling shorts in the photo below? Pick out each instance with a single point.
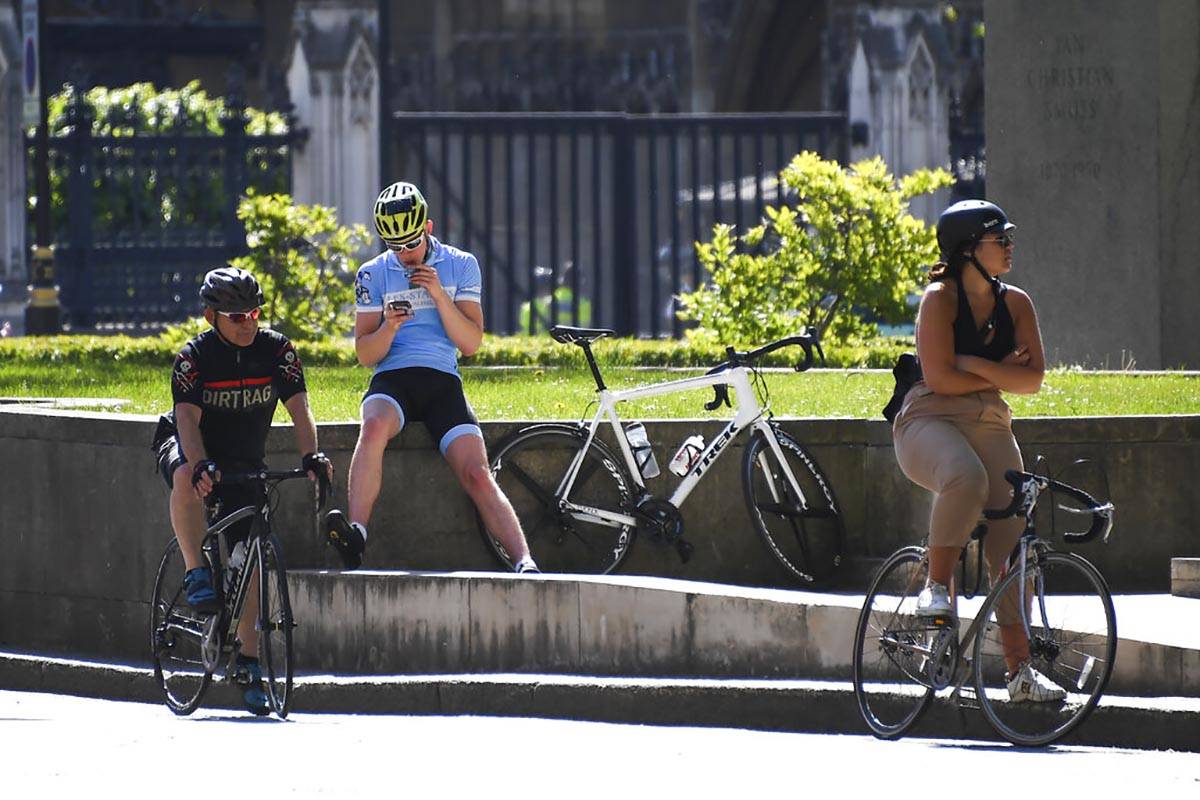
(430, 396)
(224, 499)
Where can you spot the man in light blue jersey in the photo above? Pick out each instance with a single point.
(418, 305)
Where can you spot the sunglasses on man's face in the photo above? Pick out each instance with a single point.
(238, 317)
(413, 245)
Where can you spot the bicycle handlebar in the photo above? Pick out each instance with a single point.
(278, 476)
(1026, 487)
(735, 359)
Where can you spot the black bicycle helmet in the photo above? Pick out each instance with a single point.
(230, 289)
(965, 223)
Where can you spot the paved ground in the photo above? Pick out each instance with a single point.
(57, 746)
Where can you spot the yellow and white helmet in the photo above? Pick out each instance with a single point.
(400, 213)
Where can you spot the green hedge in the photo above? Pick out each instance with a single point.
(496, 351)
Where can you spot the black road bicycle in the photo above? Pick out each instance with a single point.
(188, 648)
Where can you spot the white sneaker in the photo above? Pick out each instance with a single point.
(934, 601)
(526, 565)
(1030, 686)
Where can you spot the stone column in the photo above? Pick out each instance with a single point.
(12, 159)
(333, 81)
(1093, 138)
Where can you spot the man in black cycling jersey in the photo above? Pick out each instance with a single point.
(225, 384)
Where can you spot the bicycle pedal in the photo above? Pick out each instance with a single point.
(685, 550)
(964, 697)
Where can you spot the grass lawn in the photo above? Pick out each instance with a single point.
(564, 393)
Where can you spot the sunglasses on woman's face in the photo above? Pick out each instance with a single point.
(413, 245)
(1006, 240)
(238, 317)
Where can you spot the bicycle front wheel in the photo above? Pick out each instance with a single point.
(1072, 644)
(176, 632)
(891, 647)
(275, 626)
(798, 520)
(529, 467)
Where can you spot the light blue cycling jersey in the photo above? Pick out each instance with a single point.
(422, 341)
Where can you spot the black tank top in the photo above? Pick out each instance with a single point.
(970, 341)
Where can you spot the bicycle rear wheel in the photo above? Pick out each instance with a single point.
(275, 626)
(1073, 643)
(800, 523)
(529, 467)
(891, 646)
(175, 637)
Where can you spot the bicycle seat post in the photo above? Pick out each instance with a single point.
(591, 359)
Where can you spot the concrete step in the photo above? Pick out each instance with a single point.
(782, 705)
(1185, 577)
(364, 623)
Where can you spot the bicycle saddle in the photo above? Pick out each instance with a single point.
(565, 334)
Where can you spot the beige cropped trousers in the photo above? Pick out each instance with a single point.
(958, 447)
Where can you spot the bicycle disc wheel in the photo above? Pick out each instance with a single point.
(890, 647)
(529, 468)
(175, 637)
(275, 626)
(800, 524)
(1073, 643)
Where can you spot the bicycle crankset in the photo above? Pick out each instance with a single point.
(210, 643)
(661, 521)
(943, 658)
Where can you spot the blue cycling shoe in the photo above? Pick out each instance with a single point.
(200, 594)
(254, 693)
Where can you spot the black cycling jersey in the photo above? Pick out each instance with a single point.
(237, 389)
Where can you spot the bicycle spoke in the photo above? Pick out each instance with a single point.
(275, 625)
(175, 637)
(547, 498)
(1073, 653)
(800, 523)
(892, 648)
(530, 468)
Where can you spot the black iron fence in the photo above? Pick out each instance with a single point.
(590, 219)
(139, 218)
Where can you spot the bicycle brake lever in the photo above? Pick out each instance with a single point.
(720, 395)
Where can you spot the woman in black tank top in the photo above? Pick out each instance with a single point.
(976, 337)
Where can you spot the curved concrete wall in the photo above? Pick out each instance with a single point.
(83, 514)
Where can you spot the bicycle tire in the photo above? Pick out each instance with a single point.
(1075, 650)
(275, 625)
(529, 466)
(889, 681)
(175, 636)
(805, 534)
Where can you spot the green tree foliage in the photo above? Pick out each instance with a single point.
(542, 304)
(305, 262)
(155, 194)
(843, 255)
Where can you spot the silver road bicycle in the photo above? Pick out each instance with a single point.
(582, 498)
(1065, 607)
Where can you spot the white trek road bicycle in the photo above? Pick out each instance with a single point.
(581, 504)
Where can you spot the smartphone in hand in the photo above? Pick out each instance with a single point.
(400, 305)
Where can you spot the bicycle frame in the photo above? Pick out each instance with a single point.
(1028, 540)
(748, 413)
(234, 605)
